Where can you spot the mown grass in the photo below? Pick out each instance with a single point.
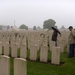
(38, 68)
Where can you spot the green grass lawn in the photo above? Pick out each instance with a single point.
(38, 68)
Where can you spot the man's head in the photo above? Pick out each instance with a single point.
(70, 28)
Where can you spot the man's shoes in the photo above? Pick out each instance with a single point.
(69, 56)
(72, 55)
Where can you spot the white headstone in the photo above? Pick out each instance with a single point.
(18, 42)
(23, 51)
(33, 52)
(4, 65)
(55, 56)
(0, 48)
(20, 66)
(14, 50)
(6, 48)
(61, 45)
(44, 53)
(51, 43)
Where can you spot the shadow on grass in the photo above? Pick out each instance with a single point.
(48, 62)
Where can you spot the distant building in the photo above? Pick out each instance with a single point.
(13, 28)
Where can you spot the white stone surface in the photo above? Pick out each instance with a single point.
(6, 48)
(33, 52)
(14, 50)
(0, 48)
(55, 56)
(18, 42)
(61, 45)
(23, 51)
(20, 66)
(45, 42)
(51, 43)
(4, 65)
(44, 53)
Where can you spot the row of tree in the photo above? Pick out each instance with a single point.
(47, 24)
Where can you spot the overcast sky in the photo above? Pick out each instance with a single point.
(35, 12)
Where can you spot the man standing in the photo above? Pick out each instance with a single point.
(71, 40)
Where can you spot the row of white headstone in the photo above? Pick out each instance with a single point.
(33, 37)
(14, 50)
(34, 45)
(20, 66)
(55, 54)
(33, 52)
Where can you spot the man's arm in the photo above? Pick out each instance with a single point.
(73, 33)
